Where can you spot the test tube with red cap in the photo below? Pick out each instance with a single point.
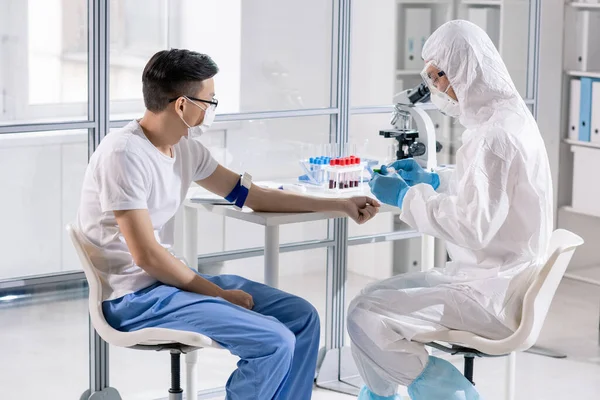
(347, 174)
(358, 173)
(332, 181)
(340, 174)
(339, 166)
(352, 164)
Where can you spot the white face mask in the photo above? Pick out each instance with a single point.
(194, 132)
(446, 104)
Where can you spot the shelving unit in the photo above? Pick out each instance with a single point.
(584, 6)
(482, 3)
(581, 39)
(582, 144)
(423, 2)
(583, 74)
(580, 212)
(408, 72)
(577, 200)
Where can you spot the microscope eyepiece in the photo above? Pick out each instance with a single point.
(419, 94)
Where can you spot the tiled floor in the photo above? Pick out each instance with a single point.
(44, 352)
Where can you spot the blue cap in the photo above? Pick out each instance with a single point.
(311, 160)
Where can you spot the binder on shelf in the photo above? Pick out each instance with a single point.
(574, 112)
(595, 120)
(581, 48)
(417, 23)
(585, 109)
(488, 19)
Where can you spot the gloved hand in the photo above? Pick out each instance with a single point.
(413, 174)
(389, 188)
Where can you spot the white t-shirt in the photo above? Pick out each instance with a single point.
(127, 172)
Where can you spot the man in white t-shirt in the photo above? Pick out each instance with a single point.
(135, 183)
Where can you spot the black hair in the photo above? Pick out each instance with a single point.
(173, 73)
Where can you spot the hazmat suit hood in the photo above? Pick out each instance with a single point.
(475, 70)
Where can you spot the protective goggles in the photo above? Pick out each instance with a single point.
(432, 76)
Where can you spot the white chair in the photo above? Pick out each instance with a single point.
(535, 308)
(157, 339)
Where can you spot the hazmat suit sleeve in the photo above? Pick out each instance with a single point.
(472, 215)
(445, 173)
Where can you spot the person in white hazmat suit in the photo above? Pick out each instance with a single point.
(494, 209)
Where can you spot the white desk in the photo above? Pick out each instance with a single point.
(271, 222)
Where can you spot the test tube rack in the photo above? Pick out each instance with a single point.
(335, 174)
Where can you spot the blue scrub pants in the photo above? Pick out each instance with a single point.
(277, 341)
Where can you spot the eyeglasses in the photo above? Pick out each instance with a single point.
(213, 102)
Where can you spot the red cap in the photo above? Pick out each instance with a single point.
(331, 162)
(358, 160)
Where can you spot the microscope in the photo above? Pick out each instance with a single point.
(411, 105)
(419, 144)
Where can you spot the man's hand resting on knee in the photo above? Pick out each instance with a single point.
(238, 297)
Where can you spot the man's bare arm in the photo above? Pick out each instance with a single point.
(147, 253)
(222, 182)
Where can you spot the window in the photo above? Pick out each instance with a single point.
(43, 71)
(272, 54)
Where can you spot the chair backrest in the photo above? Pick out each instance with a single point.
(94, 283)
(146, 337)
(536, 303)
(539, 296)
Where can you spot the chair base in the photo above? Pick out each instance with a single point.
(108, 393)
(175, 391)
(468, 369)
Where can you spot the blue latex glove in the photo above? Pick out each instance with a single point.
(413, 174)
(388, 188)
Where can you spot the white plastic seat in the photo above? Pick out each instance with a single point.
(156, 339)
(536, 303)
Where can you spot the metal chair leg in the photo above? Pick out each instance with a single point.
(191, 382)
(511, 375)
(469, 364)
(175, 392)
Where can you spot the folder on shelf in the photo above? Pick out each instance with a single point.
(585, 109)
(417, 29)
(574, 113)
(595, 120)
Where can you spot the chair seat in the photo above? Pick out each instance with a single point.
(455, 349)
(469, 340)
(153, 338)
